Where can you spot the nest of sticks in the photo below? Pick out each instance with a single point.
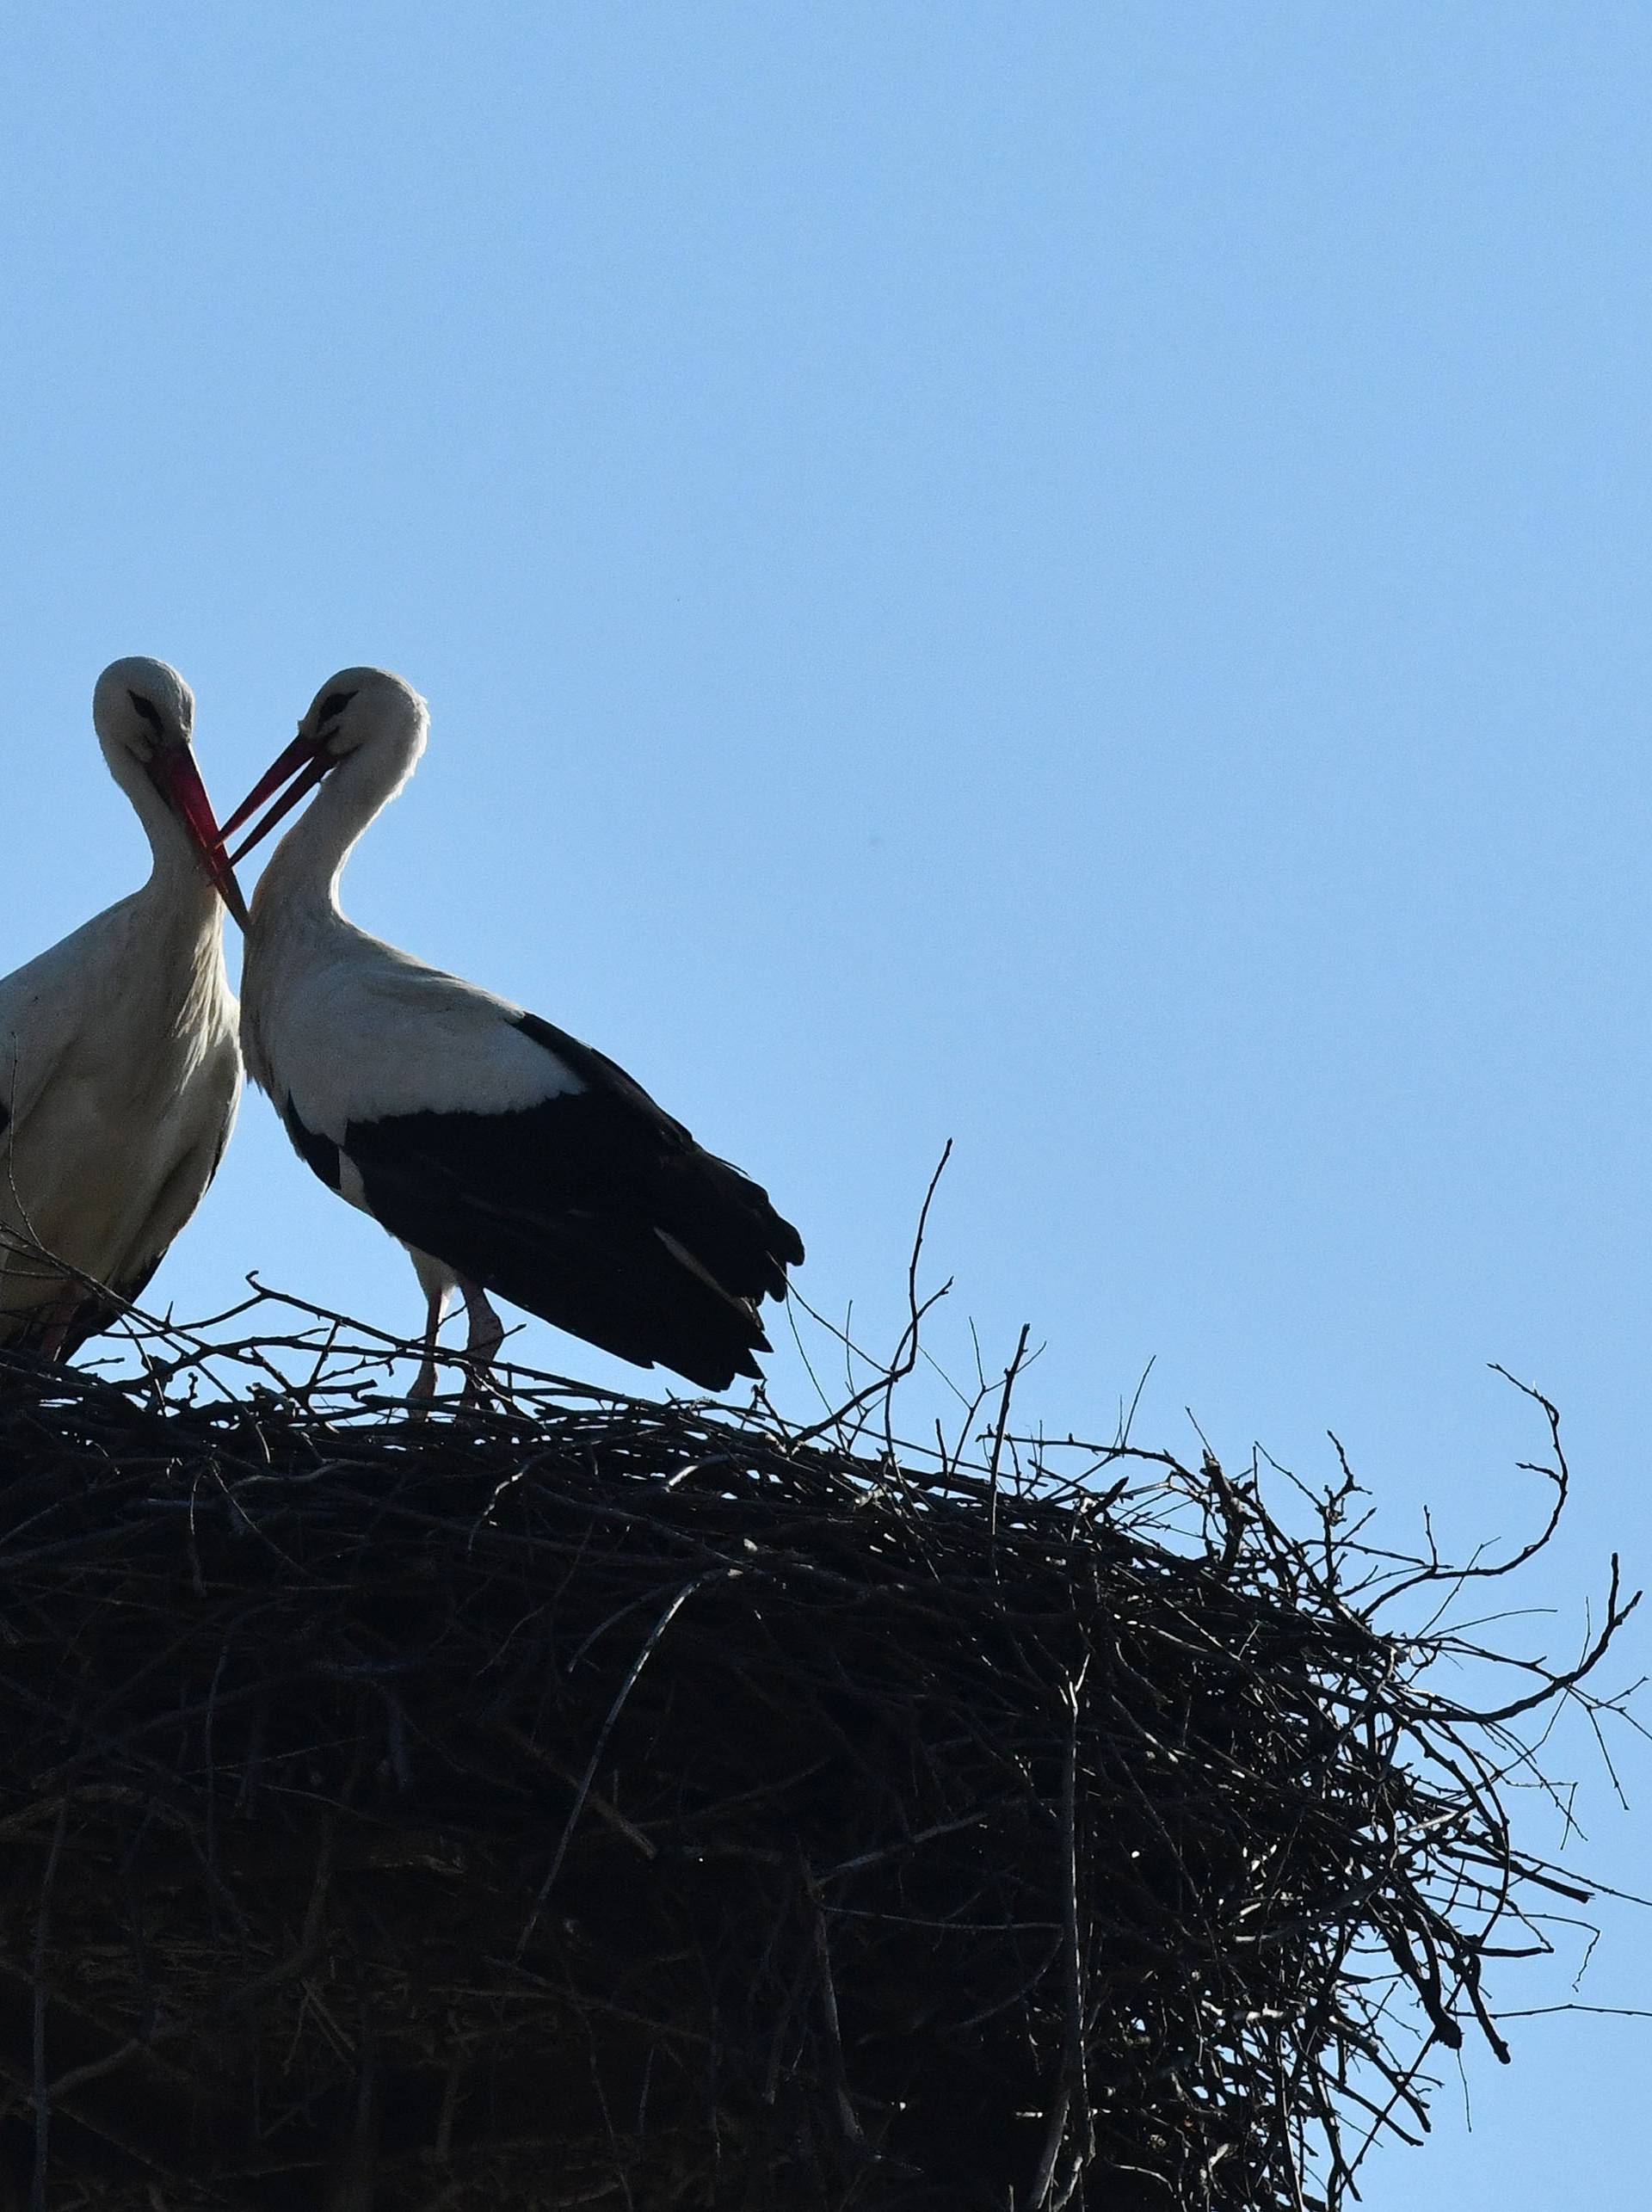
(568, 1799)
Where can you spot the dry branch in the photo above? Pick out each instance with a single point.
(575, 1800)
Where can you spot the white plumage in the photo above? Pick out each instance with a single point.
(504, 1153)
(119, 1067)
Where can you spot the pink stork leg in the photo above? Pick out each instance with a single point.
(487, 1333)
(59, 1320)
(438, 1286)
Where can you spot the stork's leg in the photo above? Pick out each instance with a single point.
(438, 1287)
(424, 1382)
(57, 1322)
(486, 1334)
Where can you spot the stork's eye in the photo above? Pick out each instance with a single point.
(146, 709)
(335, 703)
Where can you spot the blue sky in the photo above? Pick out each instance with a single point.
(1070, 578)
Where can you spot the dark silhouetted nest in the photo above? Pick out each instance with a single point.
(571, 1800)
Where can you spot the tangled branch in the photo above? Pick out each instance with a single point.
(571, 1798)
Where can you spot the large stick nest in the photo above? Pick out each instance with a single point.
(572, 1800)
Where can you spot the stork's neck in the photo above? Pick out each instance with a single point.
(302, 876)
(176, 878)
(178, 918)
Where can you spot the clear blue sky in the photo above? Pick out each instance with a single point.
(1070, 577)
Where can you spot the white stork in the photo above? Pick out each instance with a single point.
(501, 1152)
(119, 1067)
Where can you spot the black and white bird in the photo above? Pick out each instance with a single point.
(504, 1153)
(119, 1067)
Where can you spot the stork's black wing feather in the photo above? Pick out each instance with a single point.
(593, 1209)
(317, 1151)
(722, 1218)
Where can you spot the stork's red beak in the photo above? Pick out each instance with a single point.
(173, 772)
(306, 762)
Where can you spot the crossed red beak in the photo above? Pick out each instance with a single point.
(173, 772)
(306, 762)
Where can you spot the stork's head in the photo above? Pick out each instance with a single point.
(370, 717)
(145, 716)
